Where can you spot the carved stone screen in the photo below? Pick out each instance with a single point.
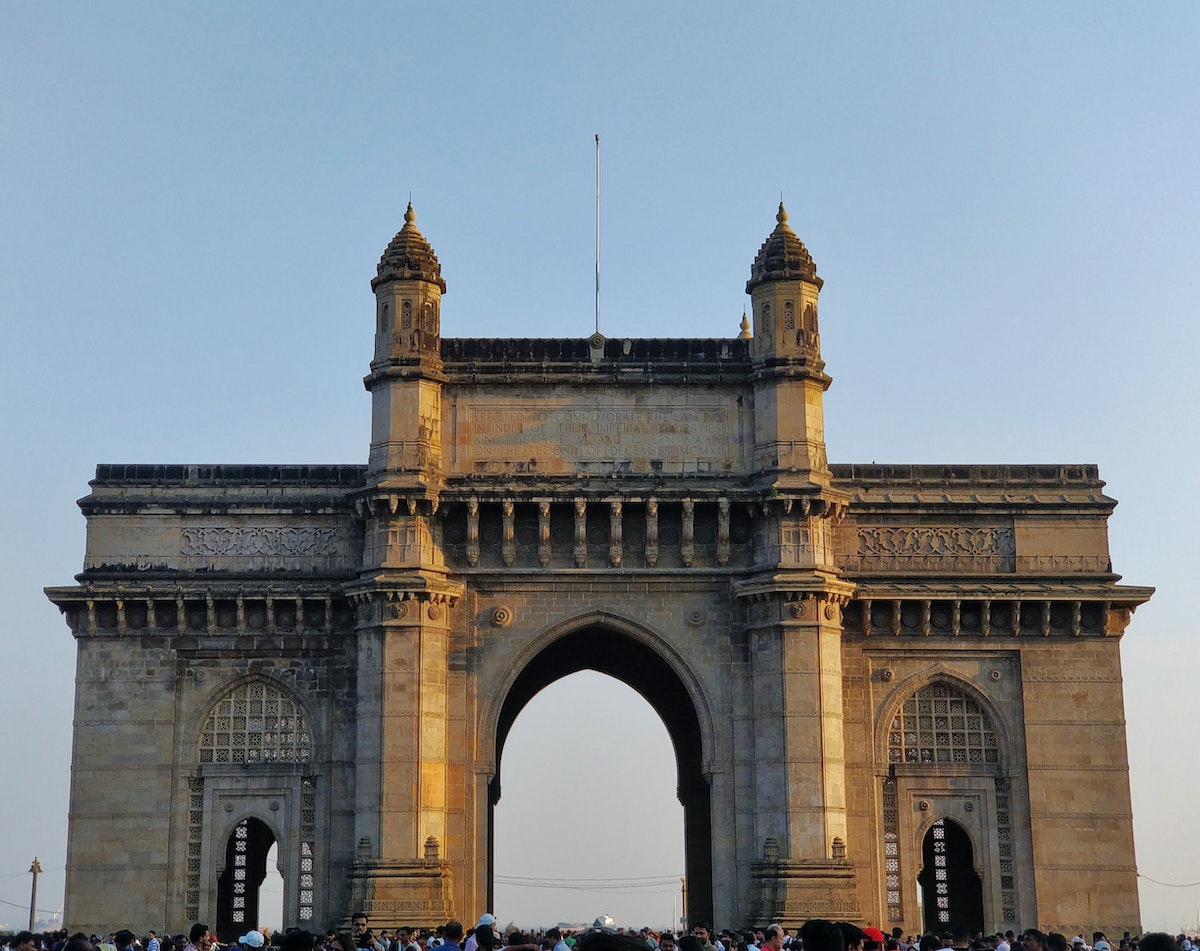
(941, 724)
(255, 723)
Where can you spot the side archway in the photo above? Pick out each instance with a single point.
(944, 752)
(252, 750)
(637, 658)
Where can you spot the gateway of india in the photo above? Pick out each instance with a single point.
(894, 691)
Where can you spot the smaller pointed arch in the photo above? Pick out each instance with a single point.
(938, 719)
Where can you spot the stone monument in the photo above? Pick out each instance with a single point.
(883, 682)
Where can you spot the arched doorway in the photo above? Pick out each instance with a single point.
(238, 887)
(642, 668)
(952, 893)
(590, 822)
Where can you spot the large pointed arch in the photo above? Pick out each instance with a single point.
(636, 656)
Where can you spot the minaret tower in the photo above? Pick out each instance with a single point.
(406, 371)
(405, 603)
(783, 289)
(792, 604)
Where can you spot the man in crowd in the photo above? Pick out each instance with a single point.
(360, 931)
(404, 940)
(452, 934)
(198, 938)
(485, 921)
(700, 933)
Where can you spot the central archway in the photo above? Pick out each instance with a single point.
(605, 649)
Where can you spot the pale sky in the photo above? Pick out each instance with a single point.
(1003, 200)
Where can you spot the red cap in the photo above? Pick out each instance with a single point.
(874, 934)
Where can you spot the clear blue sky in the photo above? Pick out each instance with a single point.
(1002, 199)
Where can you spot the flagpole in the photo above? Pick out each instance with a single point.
(597, 232)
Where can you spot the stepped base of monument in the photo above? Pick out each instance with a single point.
(792, 892)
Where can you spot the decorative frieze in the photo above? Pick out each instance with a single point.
(908, 548)
(216, 542)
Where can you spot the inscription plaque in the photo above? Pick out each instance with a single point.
(560, 437)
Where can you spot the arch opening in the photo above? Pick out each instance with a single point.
(238, 888)
(643, 669)
(951, 890)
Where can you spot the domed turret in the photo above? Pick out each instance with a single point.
(783, 289)
(406, 369)
(409, 257)
(782, 257)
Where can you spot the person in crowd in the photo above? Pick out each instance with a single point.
(360, 929)
(852, 935)
(297, 939)
(701, 933)
(772, 938)
(819, 934)
(606, 939)
(199, 938)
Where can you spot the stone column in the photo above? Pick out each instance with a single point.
(802, 867)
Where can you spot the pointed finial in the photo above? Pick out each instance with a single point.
(745, 334)
(781, 215)
(410, 216)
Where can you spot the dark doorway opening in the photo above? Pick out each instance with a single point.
(245, 868)
(951, 891)
(640, 667)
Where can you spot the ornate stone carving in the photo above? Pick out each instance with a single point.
(689, 532)
(295, 542)
(472, 531)
(544, 532)
(502, 616)
(652, 532)
(508, 550)
(723, 531)
(907, 548)
(580, 532)
(615, 549)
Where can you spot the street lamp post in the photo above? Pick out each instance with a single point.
(34, 870)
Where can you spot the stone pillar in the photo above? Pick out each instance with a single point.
(803, 870)
(402, 758)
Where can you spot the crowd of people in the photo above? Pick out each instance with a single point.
(814, 935)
